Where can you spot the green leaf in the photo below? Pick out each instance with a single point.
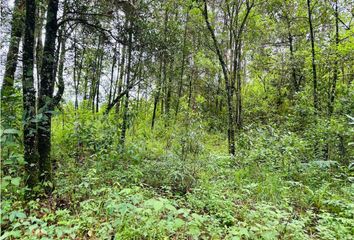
(156, 204)
(16, 181)
(12, 131)
(20, 215)
(178, 223)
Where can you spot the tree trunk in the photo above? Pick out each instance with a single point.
(99, 80)
(292, 59)
(180, 87)
(79, 78)
(121, 76)
(76, 104)
(335, 70)
(231, 131)
(126, 100)
(46, 103)
(157, 96)
(239, 89)
(169, 90)
(114, 60)
(29, 97)
(314, 73)
(12, 54)
(39, 43)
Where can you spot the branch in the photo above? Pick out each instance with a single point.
(216, 44)
(120, 95)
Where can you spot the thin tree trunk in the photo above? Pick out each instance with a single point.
(335, 70)
(98, 81)
(114, 60)
(239, 88)
(76, 105)
(292, 59)
(231, 131)
(180, 87)
(126, 100)
(79, 77)
(39, 43)
(121, 77)
(85, 87)
(332, 87)
(314, 73)
(12, 54)
(169, 90)
(190, 87)
(157, 96)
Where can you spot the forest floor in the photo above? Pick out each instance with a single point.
(169, 185)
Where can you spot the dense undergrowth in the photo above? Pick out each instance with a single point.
(176, 182)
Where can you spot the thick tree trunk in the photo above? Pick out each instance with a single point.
(12, 54)
(46, 103)
(29, 98)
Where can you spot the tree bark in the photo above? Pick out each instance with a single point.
(39, 43)
(180, 87)
(46, 103)
(231, 130)
(335, 70)
(292, 58)
(121, 76)
(169, 90)
(114, 60)
(126, 100)
(12, 54)
(239, 88)
(29, 98)
(157, 96)
(313, 53)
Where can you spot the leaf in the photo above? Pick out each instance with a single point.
(156, 204)
(16, 181)
(20, 215)
(178, 223)
(12, 131)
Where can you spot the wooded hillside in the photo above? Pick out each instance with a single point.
(177, 119)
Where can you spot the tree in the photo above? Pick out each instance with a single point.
(313, 55)
(12, 54)
(231, 130)
(47, 102)
(29, 98)
(127, 83)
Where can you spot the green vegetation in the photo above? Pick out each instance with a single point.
(179, 120)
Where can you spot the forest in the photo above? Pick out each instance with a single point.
(177, 119)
